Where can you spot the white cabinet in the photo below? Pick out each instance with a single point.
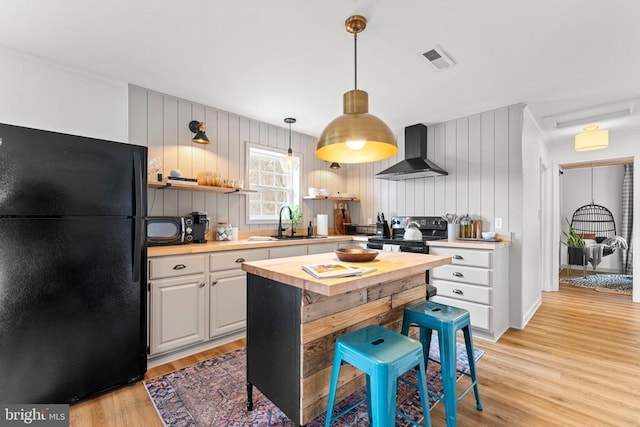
(321, 248)
(228, 293)
(477, 281)
(287, 251)
(177, 302)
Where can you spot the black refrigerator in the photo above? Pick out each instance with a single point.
(72, 265)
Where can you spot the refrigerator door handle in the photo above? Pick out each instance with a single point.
(138, 247)
(138, 183)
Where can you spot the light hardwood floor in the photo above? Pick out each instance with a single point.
(577, 363)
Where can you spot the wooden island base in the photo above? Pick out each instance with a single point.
(291, 334)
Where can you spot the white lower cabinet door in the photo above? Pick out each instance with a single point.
(177, 313)
(227, 302)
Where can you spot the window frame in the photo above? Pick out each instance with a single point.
(295, 194)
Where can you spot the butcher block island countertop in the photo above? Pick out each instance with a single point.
(294, 319)
(388, 266)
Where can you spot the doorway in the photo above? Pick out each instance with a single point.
(592, 202)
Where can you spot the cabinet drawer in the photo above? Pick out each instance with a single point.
(226, 260)
(480, 314)
(470, 257)
(176, 266)
(459, 273)
(472, 293)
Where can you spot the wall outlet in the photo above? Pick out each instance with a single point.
(498, 224)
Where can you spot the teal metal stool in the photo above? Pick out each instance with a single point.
(446, 320)
(383, 355)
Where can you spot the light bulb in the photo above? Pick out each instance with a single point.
(290, 159)
(356, 145)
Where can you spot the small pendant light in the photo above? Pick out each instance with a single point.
(334, 165)
(290, 120)
(356, 136)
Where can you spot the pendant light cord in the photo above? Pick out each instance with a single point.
(355, 60)
(592, 185)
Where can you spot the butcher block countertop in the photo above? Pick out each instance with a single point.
(503, 242)
(230, 245)
(389, 266)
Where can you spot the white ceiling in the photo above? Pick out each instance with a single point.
(280, 58)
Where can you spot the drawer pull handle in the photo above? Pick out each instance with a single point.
(457, 257)
(214, 282)
(179, 267)
(201, 285)
(458, 292)
(458, 274)
(239, 260)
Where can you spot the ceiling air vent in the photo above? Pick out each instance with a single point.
(438, 58)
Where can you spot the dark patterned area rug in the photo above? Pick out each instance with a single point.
(616, 283)
(213, 393)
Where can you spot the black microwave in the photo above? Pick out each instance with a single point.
(169, 230)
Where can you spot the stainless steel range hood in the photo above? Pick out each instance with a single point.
(415, 164)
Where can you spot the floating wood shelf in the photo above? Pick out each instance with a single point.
(341, 199)
(204, 188)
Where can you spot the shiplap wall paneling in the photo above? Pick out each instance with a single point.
(161, 121)
(475, 167)
(488, 160)
(235, 169)
(462, 165)
(450, 165)
(429, 183)
(177, 141)
(155, 142)
(222, 204)
(501, 166)
(439, 182)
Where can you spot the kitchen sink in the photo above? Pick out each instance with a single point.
(298, 237)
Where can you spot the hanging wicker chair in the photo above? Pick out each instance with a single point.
(594, 221)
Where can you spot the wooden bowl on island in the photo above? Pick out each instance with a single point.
(356, 254)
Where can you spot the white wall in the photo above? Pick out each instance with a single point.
(536, 216)
(43, 95)
(607, 191)
(621, 145)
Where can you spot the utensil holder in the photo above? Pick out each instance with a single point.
(452, 232)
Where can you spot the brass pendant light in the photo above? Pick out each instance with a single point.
(356, 136)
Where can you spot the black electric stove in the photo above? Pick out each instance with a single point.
(431, 227)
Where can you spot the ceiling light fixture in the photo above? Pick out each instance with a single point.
(591, 139)
(198, 128)
(290, 120)
(356, 136)
(334, 165)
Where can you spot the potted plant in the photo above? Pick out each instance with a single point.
(297, 217)
(576, 246)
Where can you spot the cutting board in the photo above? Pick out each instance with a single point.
(340, 217)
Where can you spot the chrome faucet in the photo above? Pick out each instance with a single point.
(279, 236)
